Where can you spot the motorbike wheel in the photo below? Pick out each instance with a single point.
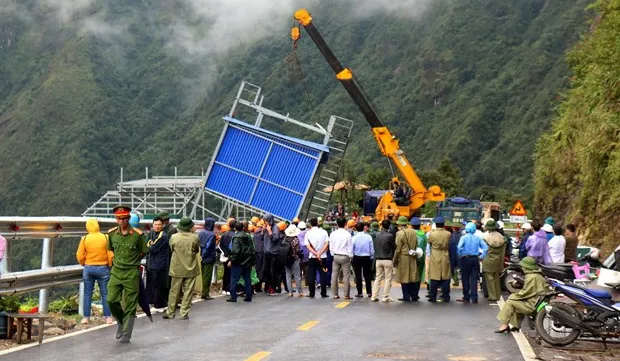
(511, 283)
(552, 331)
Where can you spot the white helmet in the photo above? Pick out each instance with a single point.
(500, 225)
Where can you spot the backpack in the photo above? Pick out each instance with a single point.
(285, 252)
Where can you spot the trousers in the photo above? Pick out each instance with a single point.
(341, 263)
(470, 272)
(185, 285)
(362, 266)
(385, 270)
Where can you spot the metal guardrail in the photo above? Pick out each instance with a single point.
(20, 282)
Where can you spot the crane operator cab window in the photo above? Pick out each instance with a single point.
(401, 192)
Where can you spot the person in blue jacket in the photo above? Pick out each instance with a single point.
(207, 254)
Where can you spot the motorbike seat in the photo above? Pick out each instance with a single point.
(598, 293)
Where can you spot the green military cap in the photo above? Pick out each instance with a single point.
(164, 216)
(327, 226)
(121, 211)
(374, 225)
(185, 224)
(402, 221)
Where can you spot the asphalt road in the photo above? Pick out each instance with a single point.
(219, 330)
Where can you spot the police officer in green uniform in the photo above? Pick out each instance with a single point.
(129, 246)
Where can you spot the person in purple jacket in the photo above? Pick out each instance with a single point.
(537, 246)
(303, 228)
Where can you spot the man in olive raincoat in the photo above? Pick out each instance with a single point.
(439, 267)
(405, 261)
(129, 246)
(184, 267)
(493, 263)
(523, 302)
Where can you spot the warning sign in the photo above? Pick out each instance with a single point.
(518, 209)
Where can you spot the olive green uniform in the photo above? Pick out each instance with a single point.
(523, 303)
(493, 264)
(125, 276)
(184, 267)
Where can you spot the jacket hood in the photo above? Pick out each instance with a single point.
(92, 226)
(541, 234)
(209, 224)
(268, 217)
(470, 228)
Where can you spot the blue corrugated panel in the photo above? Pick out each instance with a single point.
(230, 183)
(276, 200)
(289, 169)
(262, 169)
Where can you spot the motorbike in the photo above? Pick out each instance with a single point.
(593, 314)
(513, 277)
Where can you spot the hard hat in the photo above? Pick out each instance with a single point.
(351, 223)
(134, 220)
(526, 226)
(260, 223)
(282, 225)
(296, 220)
(252, 228)
(255, 220)
(500, 224)
(225, 228)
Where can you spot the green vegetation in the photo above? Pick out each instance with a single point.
(9, 304)
(578, 160)
(66, 305)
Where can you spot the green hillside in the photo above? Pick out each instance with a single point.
(578, 161)
(138, 84)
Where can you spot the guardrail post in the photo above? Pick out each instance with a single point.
(46, 262)
(81, 300)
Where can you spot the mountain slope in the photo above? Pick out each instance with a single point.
(471, 81)
(577, 161)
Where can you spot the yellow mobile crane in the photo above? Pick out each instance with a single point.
(400, 200)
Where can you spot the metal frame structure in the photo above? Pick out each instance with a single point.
(187, 196)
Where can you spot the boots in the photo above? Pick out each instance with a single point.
(119, 330)
(128, 330)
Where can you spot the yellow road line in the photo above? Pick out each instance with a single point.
(308, 325)
(258, 356)
(342, 304)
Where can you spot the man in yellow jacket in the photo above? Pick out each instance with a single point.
(93, 254)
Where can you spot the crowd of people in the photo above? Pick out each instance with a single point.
(262, 255)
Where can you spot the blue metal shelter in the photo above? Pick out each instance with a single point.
(263, 169)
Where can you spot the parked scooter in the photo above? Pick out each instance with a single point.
(593, 315)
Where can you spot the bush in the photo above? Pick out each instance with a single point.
(65, 305)
(9, 304)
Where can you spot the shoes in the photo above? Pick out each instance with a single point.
(462, 300)
(230, 300)
(374, 299)
(301, 295)
(207, 298)
(119, 331)
(247, 300)
(369, 296)
(387, 300)
(290, 295)
(474, 301)
(515, 329)
(167, 316)
(431, 300)
(336, 297)
(507, 330)
(359, 296)
(109, 320)
(415, 299)
(403, 300)
(324, 296)
(348, 297)
(186, 317)
(224, 293)
(84, 321)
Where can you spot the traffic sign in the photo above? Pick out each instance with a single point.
(518, 219)
(518, 210)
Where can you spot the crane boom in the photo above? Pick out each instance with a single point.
(388, 143)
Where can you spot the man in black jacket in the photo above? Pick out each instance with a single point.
(157, 266)
(242, 259)
(384, 253)
(207, 253)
